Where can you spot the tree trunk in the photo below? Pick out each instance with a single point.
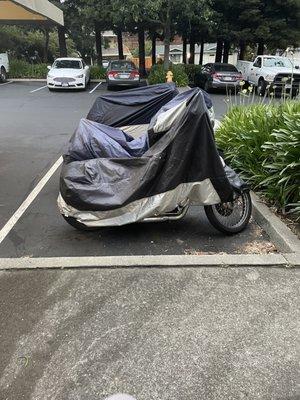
(153, 48)
(98, 39)
(201, 52)
(260, 49)
(167, 39)
(120, 44)
(226, 51)
(184, 49)
(46, 46)
(141, 37)
(242, 50)
(61, 30)
(192, 51)
(219, 50)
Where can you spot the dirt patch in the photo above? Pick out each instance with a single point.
(289, 219)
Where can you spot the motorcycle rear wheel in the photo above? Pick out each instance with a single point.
(231, 217)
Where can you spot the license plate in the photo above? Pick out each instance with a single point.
(123, 76)
(227, 78)
(64, 84)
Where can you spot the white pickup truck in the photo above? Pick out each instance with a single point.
(4, 67)
(270, 70)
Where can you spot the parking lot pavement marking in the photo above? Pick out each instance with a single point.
(29, 199)
(95, 87)
(35, 90)
(6, 83)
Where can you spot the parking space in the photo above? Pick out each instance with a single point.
(35, 124)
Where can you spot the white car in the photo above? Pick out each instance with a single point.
(4, 67)
(68, 73)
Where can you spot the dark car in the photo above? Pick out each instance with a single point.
(122, 73)
(218, 76)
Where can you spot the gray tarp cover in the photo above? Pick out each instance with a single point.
(109, 178)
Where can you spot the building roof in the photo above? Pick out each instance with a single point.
(109, 34)
(113, 51)
(33, 11)
(178, 48)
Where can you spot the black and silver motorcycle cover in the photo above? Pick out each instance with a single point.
(109, 178)
(131, 107)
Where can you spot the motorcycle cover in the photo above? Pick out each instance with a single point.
(109, 178)
(133, 107)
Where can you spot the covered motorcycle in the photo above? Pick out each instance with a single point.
(110, 178)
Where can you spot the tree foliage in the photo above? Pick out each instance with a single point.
(269, 24)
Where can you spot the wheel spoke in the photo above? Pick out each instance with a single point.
(231, 214)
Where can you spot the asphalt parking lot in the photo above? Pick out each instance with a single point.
(35, 125)
(154, 333)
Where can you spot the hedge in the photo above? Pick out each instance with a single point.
(158, 75)
(263, 143)
(98, 72)
(192, 71)
(23, 69)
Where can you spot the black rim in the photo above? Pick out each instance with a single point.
(232, 214)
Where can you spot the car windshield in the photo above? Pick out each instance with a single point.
(73, 64)
(122, 65)
(277, 62)
(225, 68)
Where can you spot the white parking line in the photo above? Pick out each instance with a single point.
(6, 83)
(29, 199)
(35, 90)
(95, 87)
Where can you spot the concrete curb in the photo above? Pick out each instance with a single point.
(27, 80)
(218, 260)
(281, 235)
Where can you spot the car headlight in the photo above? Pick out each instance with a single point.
(79, 76)
(50, 76)
(270, 78)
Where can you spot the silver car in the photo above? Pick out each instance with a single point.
(122, 73)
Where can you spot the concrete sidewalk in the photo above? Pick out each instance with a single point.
(156, 334)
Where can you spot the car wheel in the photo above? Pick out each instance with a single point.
(3, 75)
(261, 88)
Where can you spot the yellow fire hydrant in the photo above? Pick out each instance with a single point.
(169, 76)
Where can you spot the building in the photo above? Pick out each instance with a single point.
(112, 53)
(176, 51)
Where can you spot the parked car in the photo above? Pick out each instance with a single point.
(4, 67)
(218, 76)
(68, 73)
(270, 70)
(122, 73)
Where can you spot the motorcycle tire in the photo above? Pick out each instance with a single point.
(231, 217)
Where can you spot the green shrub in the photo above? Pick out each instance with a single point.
(98, 72)
(23, 69)
(192, 71)
(283, 163)
(263, 143)
(158, 75)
